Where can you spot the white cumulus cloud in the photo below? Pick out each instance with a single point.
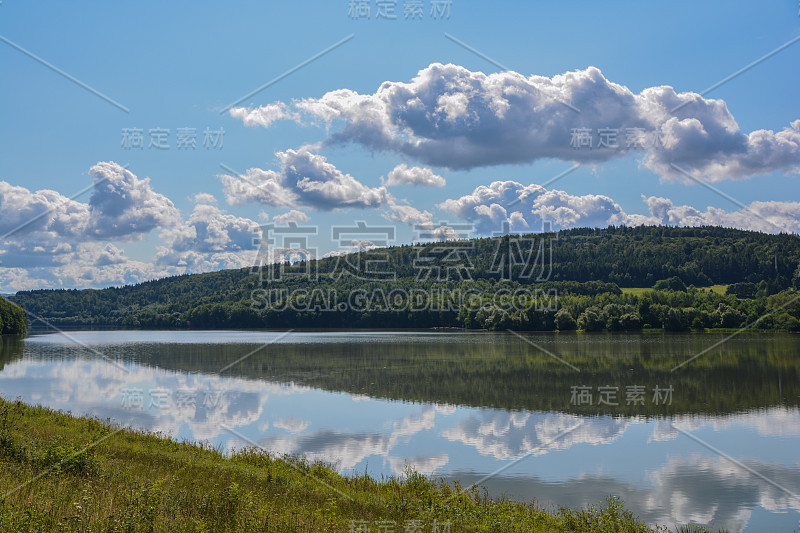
(449, 116)
(263, 115)
(421, 176)
(124, 206)
(304, 179)
(293, 216)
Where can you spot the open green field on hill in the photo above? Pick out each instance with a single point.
(640, 291)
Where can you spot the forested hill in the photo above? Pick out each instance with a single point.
(588, 268)
(12, 318)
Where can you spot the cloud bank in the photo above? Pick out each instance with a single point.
(449, 116)
(505, 206)
(49, 240)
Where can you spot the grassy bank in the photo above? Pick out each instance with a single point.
(62, 473)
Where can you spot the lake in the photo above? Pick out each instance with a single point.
(682, 427)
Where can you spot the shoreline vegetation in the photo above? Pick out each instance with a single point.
(12, 319)
(612, 279)
(65, 473)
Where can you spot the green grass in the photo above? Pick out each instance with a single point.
(719, 289)
(636, 291)
(81, 474)
(639, 291)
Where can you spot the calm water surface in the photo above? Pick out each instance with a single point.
(565, 419)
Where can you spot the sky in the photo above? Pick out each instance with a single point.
(142, 140)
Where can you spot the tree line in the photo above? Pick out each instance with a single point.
(578, 277)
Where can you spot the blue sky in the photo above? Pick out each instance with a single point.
(180, 64)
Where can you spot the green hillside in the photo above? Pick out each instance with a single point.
(565, 280)
(12, 318)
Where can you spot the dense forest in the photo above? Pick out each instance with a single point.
(572, 279)
(12, 319)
